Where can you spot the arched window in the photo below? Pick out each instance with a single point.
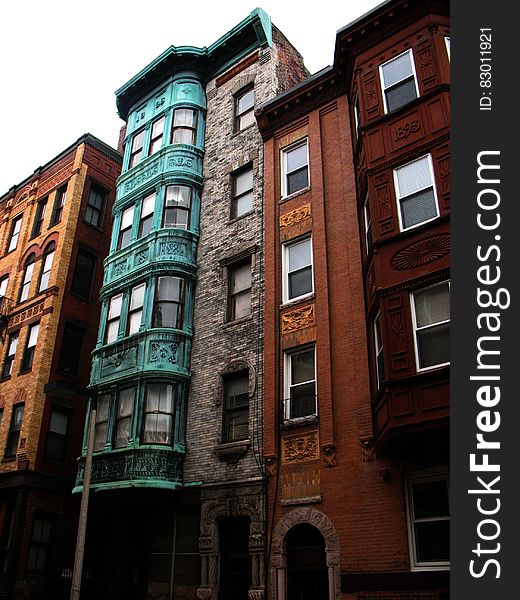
(48, 257)
(307, 577)
(27, 276)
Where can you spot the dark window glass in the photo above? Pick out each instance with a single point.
(242, 201)
(136, 150)
(125, 231)
(296, 168)
(56, 445)
(177, 207)
(432, 321)
(100, 428)
(299, 269)
(169, 301)
(12, 345)
(47, 260)
(40, 541)
(70, 354)
(236, 407)
(398, 81)
(302, 384)
(157, 136)
(147, 210)
(83, 274)
(59, 202)
(14, 430)
(125, 404)
(27, 277)
(240, 290)
(30, 347)
(40, 216)
(95, 206)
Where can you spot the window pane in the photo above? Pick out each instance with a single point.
(302, 366)
(102, 409)
(418, 208)
(115, 306)
(299, 255)
(237, 385)
(126, 401)
(240, 278)
(122, 432)
(298, 180)
(413, 177)
(243, 204)
(127, 218)
(178, 195)
(241, 305)
(148, 205)
(134, 322)
(137, 141)
(432, 541)
(397, 69)
(184, 116)
(296, 158)
(246, 120)
(158, 127)
(33, 335)
(137, 298)
(58, 422)
(83, 273)
(169, 288)
(434, 345)
(401, 94)
(112, 330)
(303, 402)
(243, 182)
(246, 101)
(13, 345)
(430, 499)
(100, 435)
(432, 305)
(183, 136)
(300, 283)
(237, 426)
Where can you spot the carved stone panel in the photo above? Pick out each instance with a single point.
(295, 216)
(298, 319)
(119, 361)
(422, 252)
(299, 448)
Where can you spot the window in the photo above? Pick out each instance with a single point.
(295, 168)
(100, 428)
(157, 135)
(136, 149)
(125, 405)
(125, 231)
(95, 206)
(169, 301)
(59, 202)
(40, 540)
(41, 208)
(30, 347)
(368, 225)
(415, 193)
(15, 234)
(83, 274)
(245, 109)
(158, 414)
(70, 354)
(14, 430)
(378, 351)
(429, 521)
(11, 352)
(242, 200)
(447, 42)
(297, 264)
(56, 444)
(398, 81)
(300, 383)
(147, 210)
(27, 276)
(135, 312)
(48, 257)
(3, 285)
(431, 322)
(356, 115)
(240, 290)
(113, 318)
(184, 126)
(177, 207)
(236, 407)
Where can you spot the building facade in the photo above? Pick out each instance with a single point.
(177, 374)
(53, 234)
(356, 389)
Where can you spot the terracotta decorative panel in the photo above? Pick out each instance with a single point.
(298, 448)
(295, 216)
(407, 130)
(422, 252)
(298, 319)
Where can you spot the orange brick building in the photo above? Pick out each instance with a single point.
(54, 232)
(356, 404)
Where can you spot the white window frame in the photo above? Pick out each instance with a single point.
(288, 383)
(285, 271)
(378, 349)
(425, 476)
(283, 162)
(356, 116)
(415, 329)
(16, 228)
(382, 78)
(398, 197)
(367, 223)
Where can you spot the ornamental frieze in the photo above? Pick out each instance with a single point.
(298, 319)
(172, 248)
(295, 216)
(299, 448)
(422, 252)
(26, 314)
(48, 184)
(119, 361)
(142, 177)
(163, 352)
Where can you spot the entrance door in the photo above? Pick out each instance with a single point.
(307, 574)
(235, 560)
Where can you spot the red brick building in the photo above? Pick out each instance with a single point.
(356, 396)
(54, 234)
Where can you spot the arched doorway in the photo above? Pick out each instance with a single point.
(307, 573)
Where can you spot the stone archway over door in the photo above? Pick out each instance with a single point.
(278, 567)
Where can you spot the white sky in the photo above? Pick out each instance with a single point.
(61, 61)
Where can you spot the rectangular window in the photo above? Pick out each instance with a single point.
(12, 345)
(95, 206)
(415, 193)
(184, 126)
(27, 277)
(3, 286)
(56, 444)
(147, 210)
(295, 168)
(300, 383)
(297, 266)
(136, 150)
(158, 414)
(83, 274)
(14, 430)
(30, 347)
(70, 353)
(431, 322)
(240, 290)
(378, 351)
(356, 116)
(15, 233)
(368, 225)
(135, 312)
(177, 207)
(45, 276)
(100, 428)
(41, 208)
(169, 301)
(447, 42)
(113, 318)
(59, 202)
(40, 541)
(125, 231)
(398, 81)
(125, 404)
(157, 135)
(242, 200)
(429, 521)
(236, 407)
(245, 109)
